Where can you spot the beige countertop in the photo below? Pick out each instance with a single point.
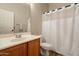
(10, 40)
(12, 35)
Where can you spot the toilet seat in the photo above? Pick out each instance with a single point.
(46, 46)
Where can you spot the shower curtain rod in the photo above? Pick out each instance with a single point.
(60, 8)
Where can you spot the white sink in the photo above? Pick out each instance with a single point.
(17, 39)
(13, 39)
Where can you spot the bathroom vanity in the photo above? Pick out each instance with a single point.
(28, 45)
(15, 36)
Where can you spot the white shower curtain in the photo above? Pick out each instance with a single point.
(65, 30)
(46, 28)
(61, 34)
(69, 13)
(60, 29)
(43, 27)
(75, 45)
(53, 31)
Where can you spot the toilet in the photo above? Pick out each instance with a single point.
(45, 49)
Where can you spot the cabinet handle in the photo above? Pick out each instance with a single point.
(5, 53)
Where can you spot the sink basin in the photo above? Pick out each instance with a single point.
(17, 39)
(13, 39)
(22, 38)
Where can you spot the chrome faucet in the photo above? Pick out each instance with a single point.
(18, 35)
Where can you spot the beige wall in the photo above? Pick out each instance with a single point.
(36, 17)
(57, 5)
(21, 12)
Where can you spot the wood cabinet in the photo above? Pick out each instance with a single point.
(31, 48)
(34, 48)
(19, 50)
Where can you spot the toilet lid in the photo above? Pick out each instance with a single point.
(46, 46)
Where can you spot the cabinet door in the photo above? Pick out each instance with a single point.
(19, 50)
(34, 48)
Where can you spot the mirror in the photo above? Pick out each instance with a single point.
(6, 21)
(14, 18)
